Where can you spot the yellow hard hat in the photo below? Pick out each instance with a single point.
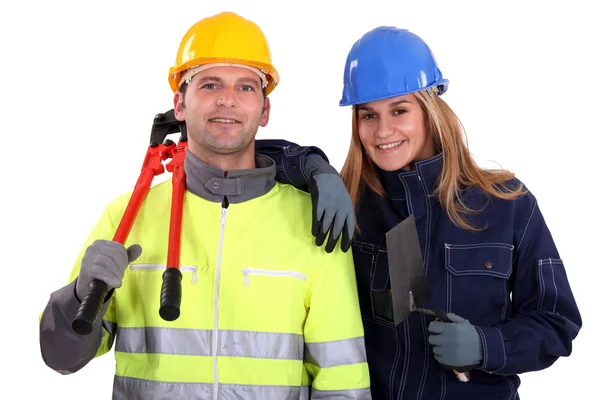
(224, 38)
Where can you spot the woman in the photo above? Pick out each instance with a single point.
(488, 255)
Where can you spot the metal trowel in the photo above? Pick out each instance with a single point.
(409, 286)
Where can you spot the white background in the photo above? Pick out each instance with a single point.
(81, 82)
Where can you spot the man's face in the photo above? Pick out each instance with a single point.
(223, 108)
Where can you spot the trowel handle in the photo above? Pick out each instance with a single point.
(462, 373)
(464, 368)
(442, 315)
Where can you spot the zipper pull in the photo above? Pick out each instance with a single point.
(246, 277)
(194, 275)
(223, 216)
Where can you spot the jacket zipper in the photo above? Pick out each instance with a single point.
(266, 272)
(215, 340)
(152, 267)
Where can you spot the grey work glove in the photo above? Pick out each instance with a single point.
(105, 260)
(333, 211)
(455, 343)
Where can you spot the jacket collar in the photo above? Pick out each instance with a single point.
(427, 172)
(210, 183)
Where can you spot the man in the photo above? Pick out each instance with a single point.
(265, 314)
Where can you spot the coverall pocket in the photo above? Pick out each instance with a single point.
(478, 280)
(372, 274)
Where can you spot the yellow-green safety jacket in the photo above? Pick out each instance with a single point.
(265, 313)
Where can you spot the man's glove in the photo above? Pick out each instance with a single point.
(332, 207)
(455, 343)
(105, 260)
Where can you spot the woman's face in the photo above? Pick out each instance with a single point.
(393, 132)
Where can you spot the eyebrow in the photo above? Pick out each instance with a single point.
(394, 104)
(249, 80)
(219, 80)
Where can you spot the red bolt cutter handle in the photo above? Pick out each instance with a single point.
(171, 291)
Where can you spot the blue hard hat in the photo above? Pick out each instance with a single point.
(388, 62)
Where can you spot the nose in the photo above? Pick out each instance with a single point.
(385, 128)
(227, 97)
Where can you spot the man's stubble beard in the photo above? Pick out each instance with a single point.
(224, 145)
(209, 144)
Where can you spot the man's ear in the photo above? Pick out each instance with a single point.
(178, 106)
(264, 118)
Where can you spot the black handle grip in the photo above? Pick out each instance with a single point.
(170, 294)
(90, 307)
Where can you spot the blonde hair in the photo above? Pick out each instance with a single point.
(459, 171)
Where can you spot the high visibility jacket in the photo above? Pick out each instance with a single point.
(265, 314)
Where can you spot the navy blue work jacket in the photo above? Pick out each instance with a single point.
(507, 280)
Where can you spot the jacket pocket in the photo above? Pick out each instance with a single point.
(252, 293)
(138, 300)
(478, 280)
(162, 267)
(269, 272)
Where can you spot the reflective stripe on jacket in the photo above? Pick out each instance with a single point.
(265, 313)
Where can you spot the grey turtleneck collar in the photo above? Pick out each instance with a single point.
(210, 183)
